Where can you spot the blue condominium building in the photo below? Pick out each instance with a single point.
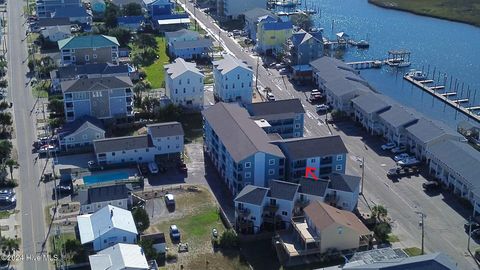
(45, 8)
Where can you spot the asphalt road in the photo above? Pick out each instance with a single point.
(32, 213)
(444, 230)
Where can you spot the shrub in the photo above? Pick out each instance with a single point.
(229, 239)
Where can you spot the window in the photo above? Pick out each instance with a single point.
(188, 81)
(312, 160)
(253, 218)
(338, 167)
(87, 58)
(271, 162)
(88, 207)
(176, 91)
(248, 175)
(248, 164)
(285, 213)
(146, 149)
(243, 85)
(271, 172)
(339, 157)
(238, 76)
(184, 91)
(105, 241)
(124, 239)
(113, 154)
(179, 82)
(94, 56)
(297, 125)
(119, 203)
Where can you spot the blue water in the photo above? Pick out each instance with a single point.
(103, 178)
(453, 48)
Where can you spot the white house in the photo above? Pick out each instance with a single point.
(106, 227)
(80, 133)
(162, 141)
(119, 257)
(232, 9)
(95, 198)
(55, 29)
(184, 84)
(233, 80)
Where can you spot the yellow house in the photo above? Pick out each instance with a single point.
(272, 34)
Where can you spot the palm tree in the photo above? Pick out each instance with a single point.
(9, 245)
(379, 212)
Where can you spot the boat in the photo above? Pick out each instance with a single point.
(287, 3)
(363, 44)
(404, 64)
(417, 75)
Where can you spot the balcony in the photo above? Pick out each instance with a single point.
(244, 212)
(301, 203)
(270, 208)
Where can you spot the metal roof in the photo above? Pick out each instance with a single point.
(234, 128)
(343, 182)
(282, 190)
(118, 257)
(433, 261)
(229, 63)
(96, 84)
(252, 195)
(275, 107)
(89, 41)
(277, 26)
(122, 143)
(166, 129)
(180, 66)
(103, 194)
(72, 71)
(309, 147)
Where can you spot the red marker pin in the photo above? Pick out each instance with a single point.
(310, 173)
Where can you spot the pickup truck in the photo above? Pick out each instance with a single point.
(402, 171)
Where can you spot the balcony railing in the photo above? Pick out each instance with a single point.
(242, 212)
(270, 208)
(301, 203)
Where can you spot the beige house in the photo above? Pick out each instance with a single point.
(323, 229)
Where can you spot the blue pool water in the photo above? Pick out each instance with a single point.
(104, 178)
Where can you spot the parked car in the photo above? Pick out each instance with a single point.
(430, 185)
(400, 172)
(169, 199)
(153, 168)
(474, 224)
(174, 232)
(270, 97)
(182, 167)
(399, 149)
(322, 108)
(388, 146)
(401, 157)
(408, 162)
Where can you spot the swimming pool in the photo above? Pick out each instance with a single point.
(104, 178)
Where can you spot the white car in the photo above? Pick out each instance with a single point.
(270, 97)
(408, 161)
(401, 157)
(388, 146)
(322, 108)
(397, 150)
(153, 167)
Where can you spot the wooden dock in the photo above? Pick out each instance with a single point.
(366, 64)
(439, 87)
(444, 97)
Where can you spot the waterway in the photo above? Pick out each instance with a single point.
(450, 47)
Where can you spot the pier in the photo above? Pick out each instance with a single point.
(468, 111)
(366, 64)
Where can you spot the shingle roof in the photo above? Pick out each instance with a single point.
(371, 102)
(313, 187)
(118, 257)
(283, 190)
(46, 22)
(191, 44)
(96, 84)
(427, 130)
(255, 13)
(234, 128)
(84, 121)
(89, 41)
(92, 226)
(323, 215)
(302, 148)
(252, 195)
(179, 33)
(276, 107)
(347, 85)
(398, 116)
(459, 157)
(166, 129)
(72, 71)
(343, 182)
(433, 261)
(103, 194)
(180, 66)
(331, 69)
(122, 143)
(229, 63)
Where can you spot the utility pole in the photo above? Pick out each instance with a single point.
(423, 216)
(256, 75)
(469, 233)
(363, 173)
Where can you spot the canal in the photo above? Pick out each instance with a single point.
(449, 47)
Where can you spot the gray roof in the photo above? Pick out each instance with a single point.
(371, 102)
(180, 66)
(283, 190)
(229, 63)
(343, 182)
(124, 2)
(427, 130)
(255, 13)
(234, 128)
(96, 84)
(276, 107)
(180, 33)
(46, 22)
(398, 116)
(122, 143)
(191, 44)
(166, 129)
(252, 195)
(434, 261)
(83, 121)
(302, 148)
(330, 68)
(72, 71)
(103, 194)
(459, 157)
(313, 187)
(347, 85)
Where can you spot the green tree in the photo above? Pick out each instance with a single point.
(4, 105)
(11, 164)
(145, 41)
(9, 245)
(149, 104)
(5, 148)
(5, 120)
(382, 230)
(302, 20)
(150, 251)
(132, 9)
(56, 106)
(3, 84)
(144, 57)
(141, 218)
(31, 65)
(379, 212)
(111, 13)
(229, 239)
(56, 122)
(123, 35)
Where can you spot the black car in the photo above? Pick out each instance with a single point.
(430, 185)
(474, 225)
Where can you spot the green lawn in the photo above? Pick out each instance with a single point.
(5, 214)
(155, 72)
(193, 126)
(392, 238)
(459, 10)
(413, 251)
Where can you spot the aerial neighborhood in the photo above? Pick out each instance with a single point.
(220, 134)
